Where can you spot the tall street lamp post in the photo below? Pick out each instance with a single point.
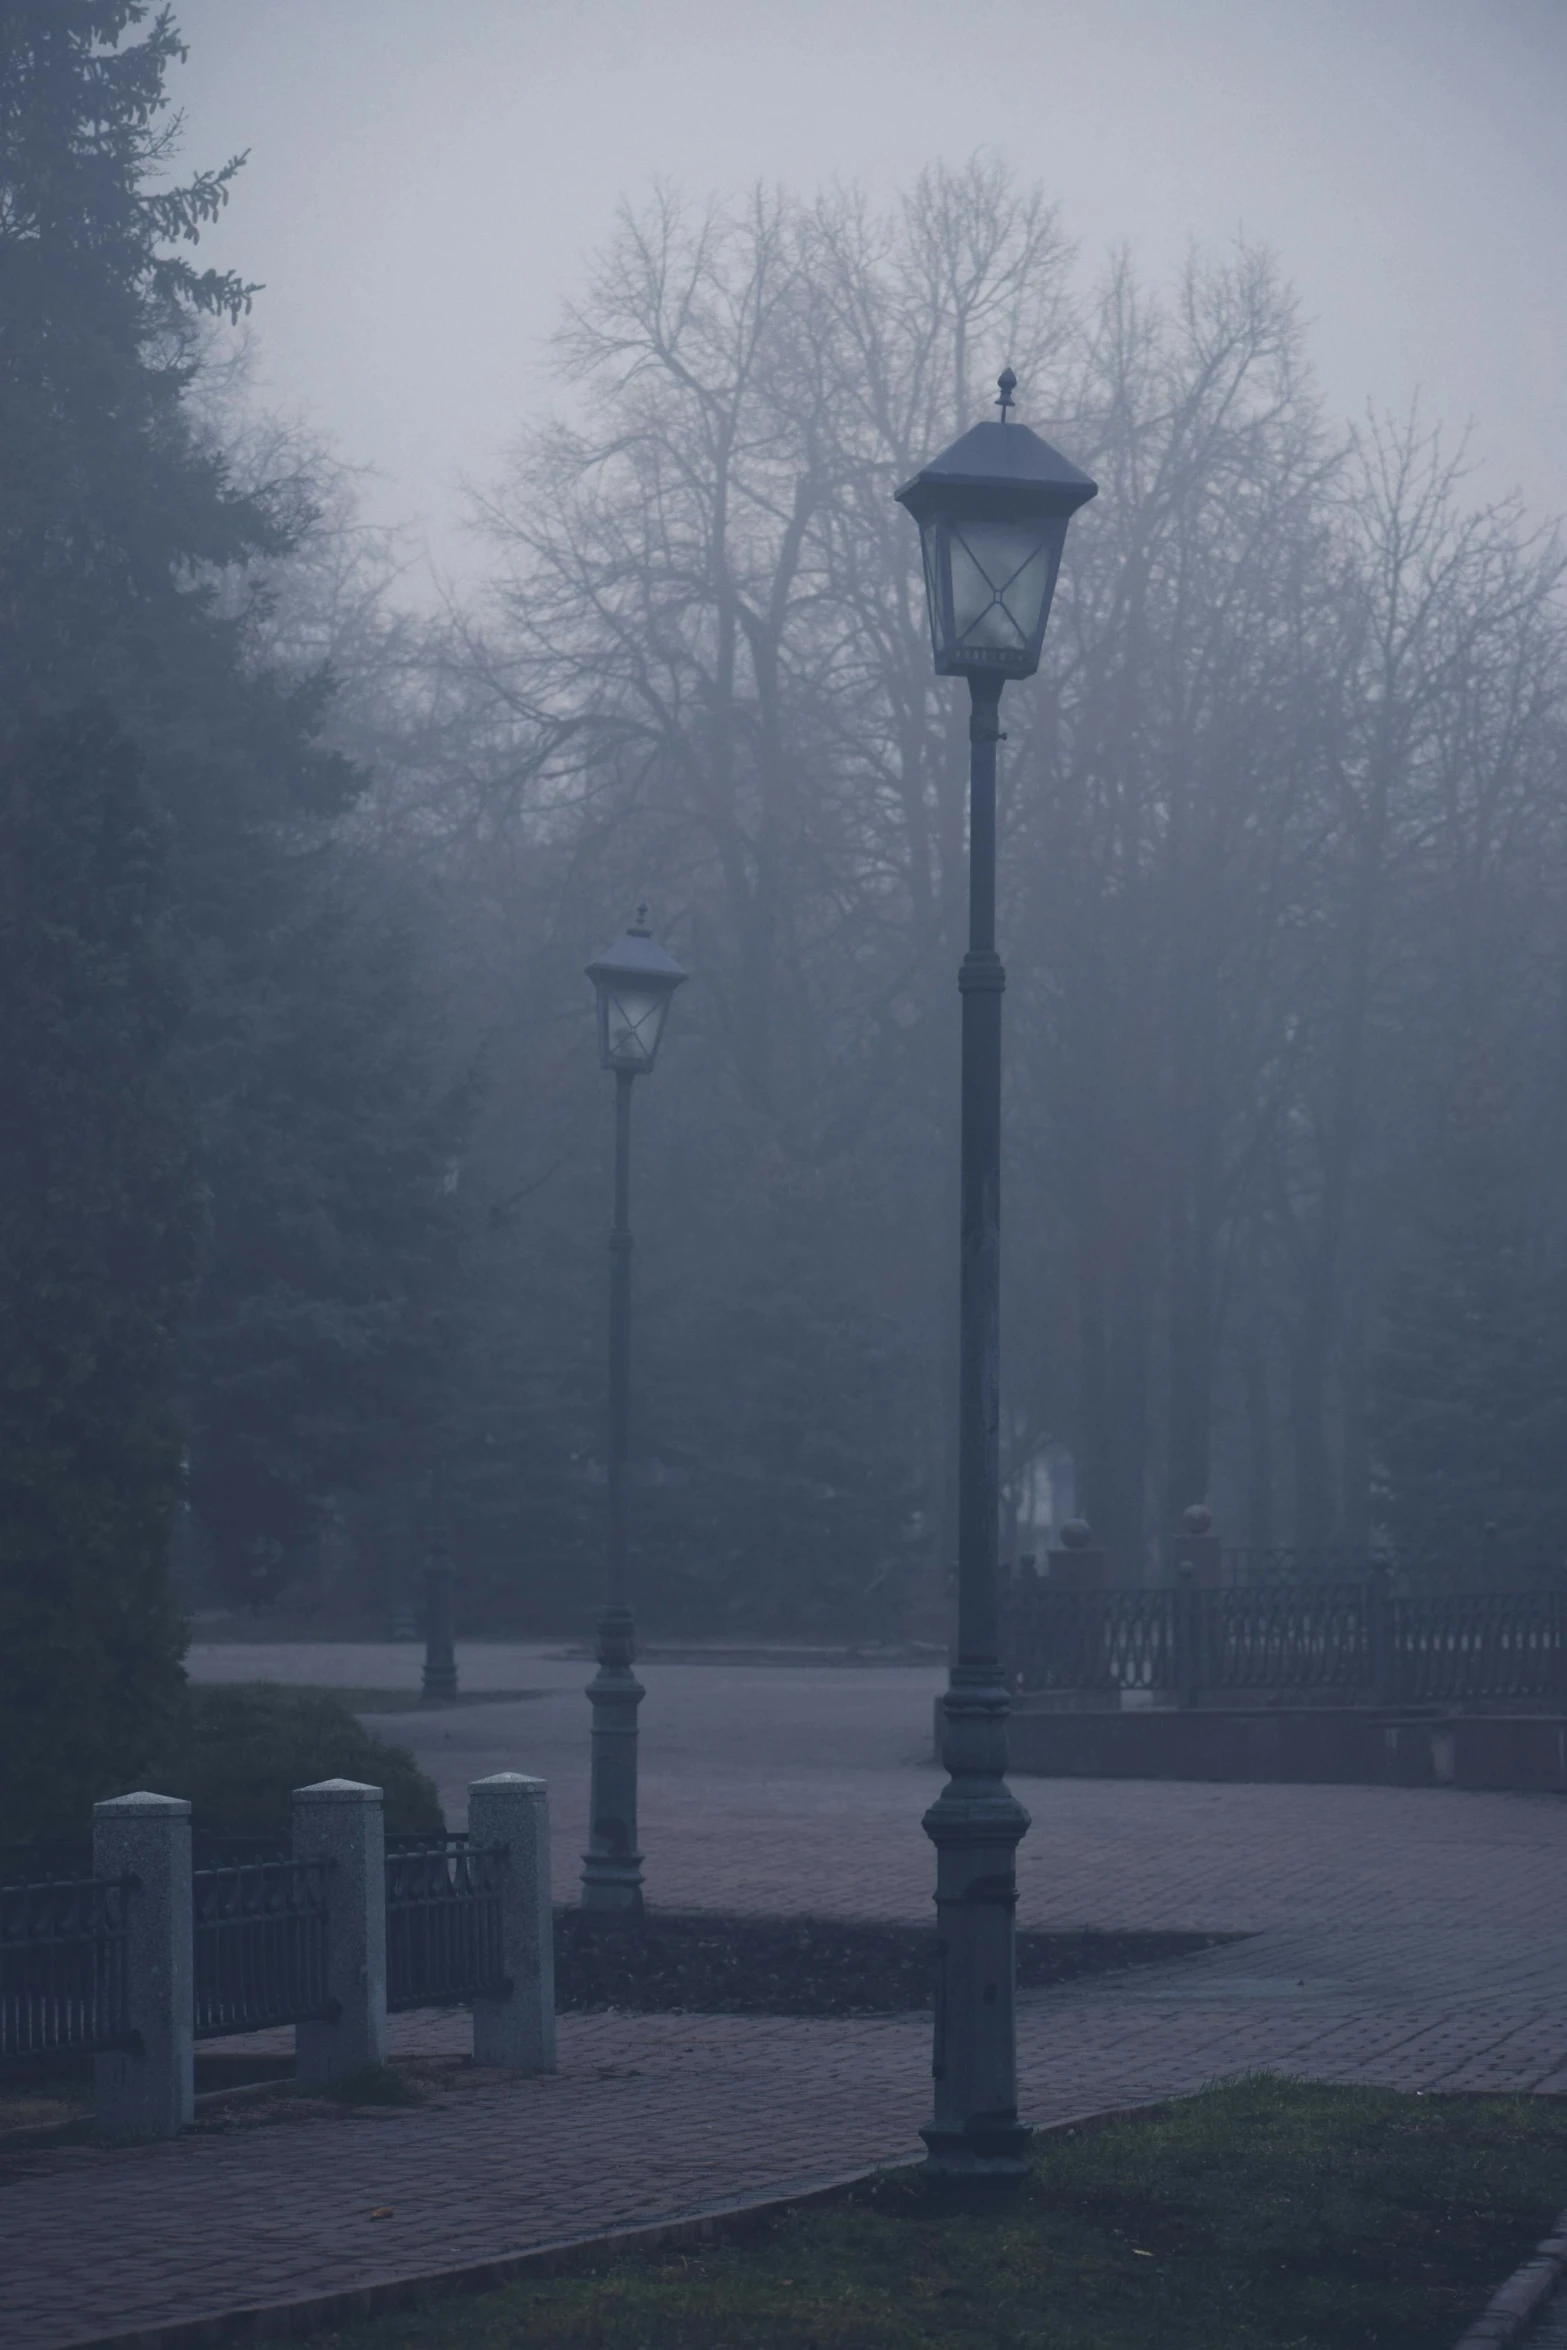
(992, 512)
(634, 981)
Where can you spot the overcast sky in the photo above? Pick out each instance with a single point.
(427, 176)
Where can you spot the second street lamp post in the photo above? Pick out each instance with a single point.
(992, 512)
(634, 981)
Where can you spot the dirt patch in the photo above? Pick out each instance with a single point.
(704, 1963)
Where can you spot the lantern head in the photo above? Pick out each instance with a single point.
(993, 511)
(633, 980)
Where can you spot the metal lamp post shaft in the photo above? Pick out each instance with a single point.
(981, 983)
(976, 1823)
(612, 1864)
(620, 1344)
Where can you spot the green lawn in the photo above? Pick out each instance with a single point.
(1269, 2215)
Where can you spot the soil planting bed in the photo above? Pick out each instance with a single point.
(704, 1963)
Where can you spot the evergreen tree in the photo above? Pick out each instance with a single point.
(317, 1349)
(97, 1228)
(186, 1005)
(104, 509)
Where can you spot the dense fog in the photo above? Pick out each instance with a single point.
(306, 1177)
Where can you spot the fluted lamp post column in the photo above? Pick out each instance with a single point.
(992, 512)
(634, 981)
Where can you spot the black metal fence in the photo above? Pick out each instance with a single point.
(259, 1929)
(1354, 1643)
(62, 1966)
(443, 1923)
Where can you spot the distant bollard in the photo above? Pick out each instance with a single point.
(517, 2031)
(340, 1821)
(440, 1653)
(148, 2091)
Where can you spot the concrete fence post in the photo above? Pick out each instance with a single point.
(341, 1822)
(148, 2091)
(517, 2032)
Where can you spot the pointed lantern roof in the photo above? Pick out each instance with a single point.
(1000, 462)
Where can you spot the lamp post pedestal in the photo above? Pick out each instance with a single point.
(612, 1864)
(440, 1653)
(439, 1679)
(976, 1825)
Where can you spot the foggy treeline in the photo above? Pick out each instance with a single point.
(1282, 857)
(1283, 849)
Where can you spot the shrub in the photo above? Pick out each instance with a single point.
(251, 1745)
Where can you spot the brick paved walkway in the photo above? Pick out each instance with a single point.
(1408, 1936)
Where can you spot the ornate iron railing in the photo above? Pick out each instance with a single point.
(1287, 1637)
(62, 1966)
(1090, 1640)
(260, 1945)
(443, 1922)
(1456, 1646)
(1355, 1642)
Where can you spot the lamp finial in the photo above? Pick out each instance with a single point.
(1006, 383)
(639, 927)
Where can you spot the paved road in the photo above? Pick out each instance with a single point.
(1409, 1936)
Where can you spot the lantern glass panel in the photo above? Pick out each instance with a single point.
(931, 534)
(633, 1023)
(1001, 578)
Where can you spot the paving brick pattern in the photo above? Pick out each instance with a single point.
(1412, 1937)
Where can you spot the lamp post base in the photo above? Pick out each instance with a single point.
(439, 1679)
(612, 1865)
(989, 2160)
(974, 2137)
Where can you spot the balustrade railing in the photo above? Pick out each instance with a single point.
(1287, 1637)
(63, 1977)
(259, 1930)
(444, 1942)
(1455, 1646)
(1353, 1641)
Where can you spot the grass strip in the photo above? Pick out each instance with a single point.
(1264, 2215)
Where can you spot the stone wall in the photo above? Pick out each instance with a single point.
(1362, 1745)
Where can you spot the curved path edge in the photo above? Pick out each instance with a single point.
(291, 2320)
(1515, 2304)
